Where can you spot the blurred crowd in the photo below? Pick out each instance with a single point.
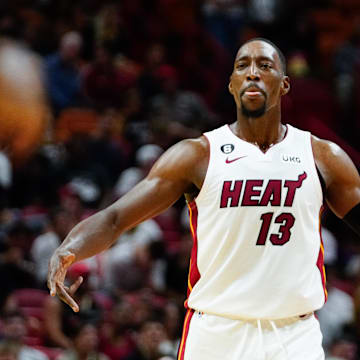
(125, 80)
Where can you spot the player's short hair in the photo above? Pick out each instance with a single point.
(280, 53)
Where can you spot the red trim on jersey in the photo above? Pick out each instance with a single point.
(320, 260)
(185, 333)
(194, 274)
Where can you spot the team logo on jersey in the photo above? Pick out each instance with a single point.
(290, 159)
(258, 192)
(227, 148)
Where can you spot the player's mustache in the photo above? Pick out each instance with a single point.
(253, 85)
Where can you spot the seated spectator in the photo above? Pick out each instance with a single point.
(116, 341)
(61, 222)
(13, 333)
(85, 344)
(148, 342)
(148, 81)
(103, 81)
(175, 113)
(129, 262)
(62, 70)
(145, 159)
(59, 318)
(15, 271)
(177, 270)
(173, 327)
(331, 320)
(344, 347)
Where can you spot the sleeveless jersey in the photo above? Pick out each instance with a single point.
(257, 251)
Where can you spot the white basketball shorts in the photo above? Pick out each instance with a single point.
(210, 337)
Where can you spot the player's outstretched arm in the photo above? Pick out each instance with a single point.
(178, 170)
(340, 175)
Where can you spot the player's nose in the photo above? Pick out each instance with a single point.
(252, 74)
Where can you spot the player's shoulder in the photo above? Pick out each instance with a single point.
(183, 157)
(333, 162)
(190, 147)
(325, 150)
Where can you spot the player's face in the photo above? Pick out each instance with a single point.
(257, 81)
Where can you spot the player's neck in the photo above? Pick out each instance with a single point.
(264, 131)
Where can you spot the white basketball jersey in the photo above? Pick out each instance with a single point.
(257, 251)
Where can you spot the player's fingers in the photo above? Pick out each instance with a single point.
(57, 270)
(73, 288)
(65, 297)
(51, 281)
(51, 285)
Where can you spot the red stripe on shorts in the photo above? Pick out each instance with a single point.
(188, 316)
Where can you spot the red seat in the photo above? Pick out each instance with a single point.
(26, 298)
(31, 303)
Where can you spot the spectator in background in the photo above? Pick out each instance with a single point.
(332, 322)
(177, 269)
(311, 105)
(177, 114)
(83, 171)
(109, 27)
(148, 81)
(44, 245)
(59, 320)
(13, 333)
(344, 347)
(116, 341)
(104, 82)
(15, 270)
(148, 342)
(345, 63)
(85, 344)
(172, 321)
(130, 263)
(145, 159)
(63, 75)
(34, 184)
(224, 19)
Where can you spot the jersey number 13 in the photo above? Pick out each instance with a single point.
(286, 220)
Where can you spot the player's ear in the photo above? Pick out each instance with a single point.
(230, 87)
(285, 86)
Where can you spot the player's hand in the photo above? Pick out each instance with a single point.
(58, 265)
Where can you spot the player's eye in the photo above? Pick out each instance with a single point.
(240, 66)
(265, 66)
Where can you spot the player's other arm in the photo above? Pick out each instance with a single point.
(342, 181)
(175, 173)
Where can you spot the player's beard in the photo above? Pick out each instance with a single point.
(253, 113)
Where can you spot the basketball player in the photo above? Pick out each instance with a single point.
(255, 196)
